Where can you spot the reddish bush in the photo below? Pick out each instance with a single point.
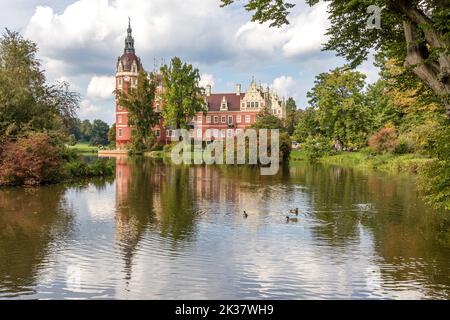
(30, 160)
(385, 140)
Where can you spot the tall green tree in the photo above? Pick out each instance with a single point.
(340, 106)
(292, 116)
(27, 103)
(414, 32)
(86, 130)
(112, 136)
(142, 116)
(182, 96)
(307, 125)
(99, 133)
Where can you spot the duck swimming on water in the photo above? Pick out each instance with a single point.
(294, 211)
(245, 215)
(289, 219)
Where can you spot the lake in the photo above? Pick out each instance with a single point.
(156, 231)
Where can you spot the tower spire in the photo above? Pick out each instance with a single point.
(129, 41)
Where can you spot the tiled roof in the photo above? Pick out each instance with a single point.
(127, 61)
(215, 100)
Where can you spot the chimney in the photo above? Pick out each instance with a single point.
(238, 89)
(208, 90)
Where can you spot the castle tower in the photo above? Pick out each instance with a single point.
(128, 67)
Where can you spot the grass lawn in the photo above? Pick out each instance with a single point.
(84, 148)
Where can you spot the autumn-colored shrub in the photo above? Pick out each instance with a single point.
(30, 160)
(385, 140)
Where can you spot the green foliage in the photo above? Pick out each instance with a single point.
(292, 116)
(266, 120)
(316, 147)
(27, 103)
(142, 116)
(340, 106)
(275, 12)
(100, 131)
(112, 136)
(435, 178)
(78, 169)
(307, 125)
(182, 95)
(415, 33)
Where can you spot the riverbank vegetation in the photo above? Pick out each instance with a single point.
(35, 118)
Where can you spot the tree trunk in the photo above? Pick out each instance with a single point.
(435, 74)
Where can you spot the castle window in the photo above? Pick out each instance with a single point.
(120, 82)
(230, 133)
(253, 105)
(256, 104)
(243, 105)
(199, 133)
(119, 119)
(224, 119)
(200, 119)
(223, 133)
(248, 105)
(216, 133)
(230, 119)
(120, 132)
(238, 119)
(216, 119)
(158, 133)
(247, 119)
(208, 119)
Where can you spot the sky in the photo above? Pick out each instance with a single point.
(80, 41)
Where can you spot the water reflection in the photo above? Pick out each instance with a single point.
(160, 231)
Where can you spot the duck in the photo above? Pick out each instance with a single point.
(294, 211)
(289, 219)
(245, 215)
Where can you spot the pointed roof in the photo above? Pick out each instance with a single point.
(129, 40)
(129, 56)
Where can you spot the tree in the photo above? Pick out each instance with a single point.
(112, 136)
(340, 106)
(142, 116)
(292, 116)
(415, 33)
(307, 125)
(27, 103)
(99, 133)
(86, 130)
(182, 95)
(266, 120)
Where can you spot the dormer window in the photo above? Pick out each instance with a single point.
(224, 104)
(120, 67)
(134, 67)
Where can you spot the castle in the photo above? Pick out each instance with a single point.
(227, 113)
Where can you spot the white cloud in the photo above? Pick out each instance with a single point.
(101, 87)
(285, 86)
(305, 34)
(206, 79)
(87, 109)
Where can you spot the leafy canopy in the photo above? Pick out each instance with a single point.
(182, 96)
